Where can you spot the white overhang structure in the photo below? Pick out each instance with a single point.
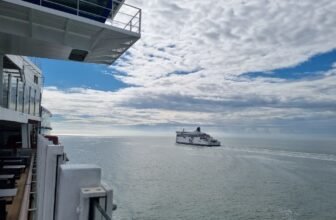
(57, 31)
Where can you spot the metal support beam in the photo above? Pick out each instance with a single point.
(31, 23)
(1, 79)
(96, 38)
(66, 30)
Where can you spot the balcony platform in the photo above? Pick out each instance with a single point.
(34, 30)
(15, 116)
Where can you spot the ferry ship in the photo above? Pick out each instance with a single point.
(36, 182)
(196, 138)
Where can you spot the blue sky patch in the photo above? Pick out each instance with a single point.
(65, 75)
(313, 67)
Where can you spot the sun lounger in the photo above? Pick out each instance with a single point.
(8, 193)
(7, 181)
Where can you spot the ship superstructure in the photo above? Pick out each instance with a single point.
(196, 138)
(36, 182)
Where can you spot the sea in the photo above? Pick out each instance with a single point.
(246, 178)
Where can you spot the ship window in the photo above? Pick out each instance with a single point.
(78, 55)
(35, 79)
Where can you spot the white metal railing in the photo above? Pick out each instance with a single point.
(114, 13)
(96, 211)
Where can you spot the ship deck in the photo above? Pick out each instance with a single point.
(15, 191)
(13, 210)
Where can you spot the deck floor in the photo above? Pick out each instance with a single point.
(13, 210)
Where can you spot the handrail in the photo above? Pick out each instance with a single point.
(25, 203)
(130, 22)
(117, 10)
(101, 210)
(94, 4)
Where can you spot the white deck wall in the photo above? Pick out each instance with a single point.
(64, 190)
(49, 157)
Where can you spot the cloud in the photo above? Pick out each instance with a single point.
(228, 38)
(189, 65)
(244, 104)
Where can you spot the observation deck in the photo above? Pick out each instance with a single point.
(92, 31)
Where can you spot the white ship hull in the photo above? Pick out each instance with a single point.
(196, 141)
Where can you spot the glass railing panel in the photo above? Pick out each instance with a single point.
(26, 100)
(20, 98)
(37, 104)
(110, 12)
(21, 92)
(13, 92)
(5, 91)
(31, 102)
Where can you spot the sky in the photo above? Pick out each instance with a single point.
(256, 67)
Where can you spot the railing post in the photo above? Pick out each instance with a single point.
(77, 7)
(140, 17)
(29, 99)
(23, 96)
(131, 25)
(34, 102)
(112, 15)
(17, 94)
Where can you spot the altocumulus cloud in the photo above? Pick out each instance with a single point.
(188, 69)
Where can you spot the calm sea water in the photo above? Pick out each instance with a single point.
(154, 178)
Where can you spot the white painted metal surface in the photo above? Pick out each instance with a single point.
(49, 157)
(72, 178)
(195, 141)
(11, 115)
(32, 30)
(196, 138)
(103, 194)
(85, 194)
(109, 198)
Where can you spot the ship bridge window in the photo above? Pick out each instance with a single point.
(98, 10)
(9, 64)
